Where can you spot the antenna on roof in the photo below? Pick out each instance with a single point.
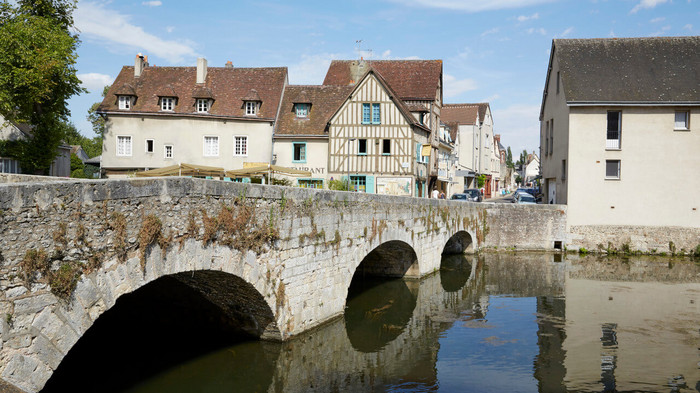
(358, 48)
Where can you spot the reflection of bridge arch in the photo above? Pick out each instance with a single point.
(230, 295)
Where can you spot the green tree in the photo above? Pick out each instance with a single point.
(509, 158)
(37, 75)
(75, 163)
(97, 121)
(480, 180)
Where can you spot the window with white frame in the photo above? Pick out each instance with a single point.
(681, 121)
(211, 146)
(240, 145)
(251, 108)
(8, 165)
(302, 110)
(167, 104)
(299, 152)
(123, 145)
(125, 102)
(612, 169)
(168, 151)
(614, 134)
(202, 105)
(149, 145)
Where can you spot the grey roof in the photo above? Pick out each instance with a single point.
(629, 70)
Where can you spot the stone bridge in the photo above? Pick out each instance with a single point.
(272, 261)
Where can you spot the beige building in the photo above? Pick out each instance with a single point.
(213, 116)
(619, 138)
(10, 131)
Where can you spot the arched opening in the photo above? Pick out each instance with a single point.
(380, 301)
(165, 323)
(460, 243)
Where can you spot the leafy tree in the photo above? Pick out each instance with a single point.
(75, 163)
(480, 180)
(97, 121)
(91, 146)
(37, 75)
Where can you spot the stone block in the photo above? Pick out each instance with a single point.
(34, 304)
(19, 371)
(46, 351)
(85, 292)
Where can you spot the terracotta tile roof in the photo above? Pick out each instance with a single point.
(227, 86)
(654, 69)
(482, 110)
(465, 114)
(324, 100)
(410, 79)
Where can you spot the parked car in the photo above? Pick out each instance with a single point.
(474, 194)
(460, 197)
(530, 191)
(524, 198)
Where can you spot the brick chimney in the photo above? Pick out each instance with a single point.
(201, 70)
(140, 63)
(229, 64)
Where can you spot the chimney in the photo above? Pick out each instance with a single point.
(229, 64)
(201, 70)
(140, 63)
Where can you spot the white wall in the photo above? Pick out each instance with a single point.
(316, 157)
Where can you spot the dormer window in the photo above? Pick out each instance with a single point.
(203, 105)
(167, 104)
(125, 103)
(251, 108)
(302, 110)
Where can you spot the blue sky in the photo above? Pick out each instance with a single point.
(492, 50)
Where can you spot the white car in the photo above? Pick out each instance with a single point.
(524, 198)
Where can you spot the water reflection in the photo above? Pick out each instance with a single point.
(377, 312)
(492, 323)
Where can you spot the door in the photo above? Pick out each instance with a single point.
(551, 191)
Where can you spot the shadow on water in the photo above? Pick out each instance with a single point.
(154, 328)
(377, 311)
(455, 271)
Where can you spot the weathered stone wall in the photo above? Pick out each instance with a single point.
(298, 248)
(653, 240)
(15, 178)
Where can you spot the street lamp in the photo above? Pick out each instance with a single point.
(348, 162)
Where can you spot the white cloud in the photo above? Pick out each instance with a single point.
(472, 5)
(491, 31)
(170, 29)
(524, 18)
(565, 33)
(455, 87)
(97, 22)
(534, 30)
(491, 98)
(646, 4)
(155, 3)
(95, 82)
(688, 27)
(519, 126)
(657, 20)
(311, 69)
(663, 31)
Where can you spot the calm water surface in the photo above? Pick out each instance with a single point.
(493, 323)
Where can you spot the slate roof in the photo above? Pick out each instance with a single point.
(228, 86)
(324, 100)
(465, 114)
(632, 70)
(410, 79)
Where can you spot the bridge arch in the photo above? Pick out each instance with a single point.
(238, 291)
(461, 242)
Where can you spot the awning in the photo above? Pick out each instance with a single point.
(267, 168)
(183, 170)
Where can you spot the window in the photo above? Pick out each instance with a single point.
(421, 117)
(614, 134)
(681, 122)
(563, 170)
(8, 165)
(240, 146)
(311, 183)
(371, 114)
(362, 146)
(557, 82)
(546, 137)
(551, 136)
(202, 105)
(123, 145)
(168, 151)
(612, 169)
(359, 183)
(125, 102)
(211, 146)
(251, 108)
(149, 145)
(386, 146)
(167, 104)
(302, 110)
(299, 152)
